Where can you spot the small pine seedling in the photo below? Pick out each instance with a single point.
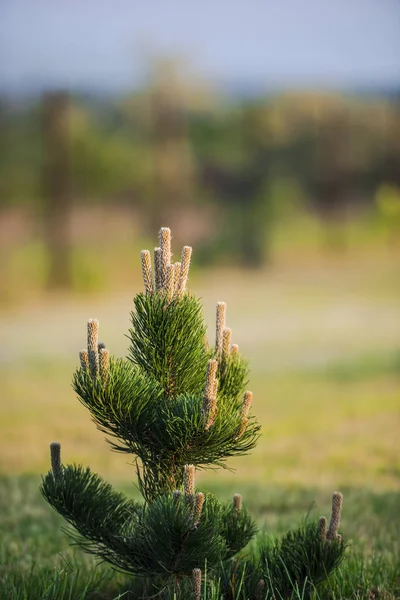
(175, 404)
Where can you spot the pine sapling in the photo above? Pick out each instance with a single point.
(176, 404)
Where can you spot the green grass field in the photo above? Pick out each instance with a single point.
(38, 562)
(323, 343)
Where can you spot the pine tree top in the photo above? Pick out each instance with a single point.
(175, 400)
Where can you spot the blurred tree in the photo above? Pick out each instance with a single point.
(20, 158)
(388, 204)
(332, 174)
(171, 144)
(172, 173)
(235, 168)
(107, 162)
(255, 203)
(57, 193)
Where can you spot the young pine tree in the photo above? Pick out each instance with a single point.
(177, 404)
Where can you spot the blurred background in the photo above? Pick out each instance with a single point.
(267, 136)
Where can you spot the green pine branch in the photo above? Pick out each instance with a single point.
(167, 342)
(130, 536)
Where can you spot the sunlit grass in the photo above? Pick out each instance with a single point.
(37, 560)
(319, 428)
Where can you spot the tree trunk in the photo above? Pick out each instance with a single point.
(57, 188)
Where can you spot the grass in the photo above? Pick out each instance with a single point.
(38, 562)
(323, 344)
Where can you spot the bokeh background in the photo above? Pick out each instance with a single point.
(267, 136)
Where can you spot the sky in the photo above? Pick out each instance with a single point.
(110, 44)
